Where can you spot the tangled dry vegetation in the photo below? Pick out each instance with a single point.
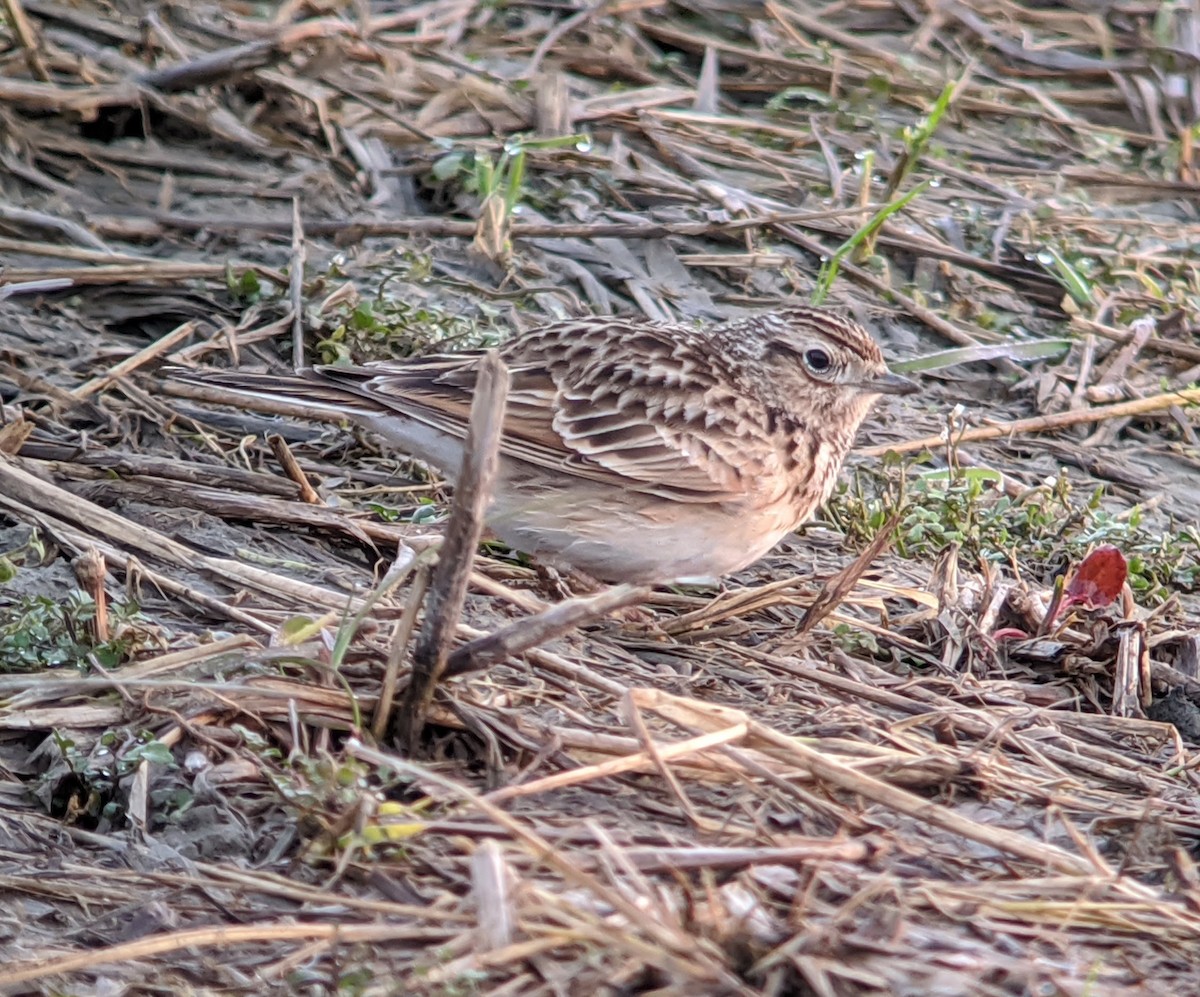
(833, 777)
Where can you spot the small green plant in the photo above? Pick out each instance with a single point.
(353, 981)
(322, 791)
(1043, 530)
(1040, 349)
(864, 235)
(389, 327)
(916, 139)
(856, 640)
(83, 782)
(503, 176)
(320, 785)
(31, 553)
(1071, 274)
(245, 286)
(484, 175)
(38, 632)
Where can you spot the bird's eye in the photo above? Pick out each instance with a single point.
(818, 361)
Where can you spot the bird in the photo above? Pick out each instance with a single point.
(632, 450)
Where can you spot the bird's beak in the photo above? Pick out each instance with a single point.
(892, 384)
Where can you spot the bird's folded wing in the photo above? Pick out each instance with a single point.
(606, 425)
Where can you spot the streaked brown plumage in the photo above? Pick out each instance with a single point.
(632, 450)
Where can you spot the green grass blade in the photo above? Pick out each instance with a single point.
(1043, 349)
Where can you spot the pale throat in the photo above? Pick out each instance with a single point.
(835, 437)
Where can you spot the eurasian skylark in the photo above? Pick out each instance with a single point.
(633, 451)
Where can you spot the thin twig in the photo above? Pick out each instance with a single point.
(1045, 423)
(533, 631)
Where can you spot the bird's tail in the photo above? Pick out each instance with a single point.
(304, 395)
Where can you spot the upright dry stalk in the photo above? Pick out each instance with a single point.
(448, 590)
(90, 570)
(296, 285)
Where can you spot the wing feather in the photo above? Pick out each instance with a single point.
(631, 405)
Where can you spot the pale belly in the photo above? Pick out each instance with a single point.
(611, 533)
(629, 537)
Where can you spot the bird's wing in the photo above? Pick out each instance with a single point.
(645, 409)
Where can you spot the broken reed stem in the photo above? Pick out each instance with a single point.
(1043, 423)
(835, 772)
(448, 589)
(90, 570)
(296, 285)
(491, 886)
(13, 434)
(293, 470)
(156, 349)
(397, 651)
(19, 22)
(842, 584)
(527, 633)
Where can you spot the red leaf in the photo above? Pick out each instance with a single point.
(1099, 579)
(1009, 633)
